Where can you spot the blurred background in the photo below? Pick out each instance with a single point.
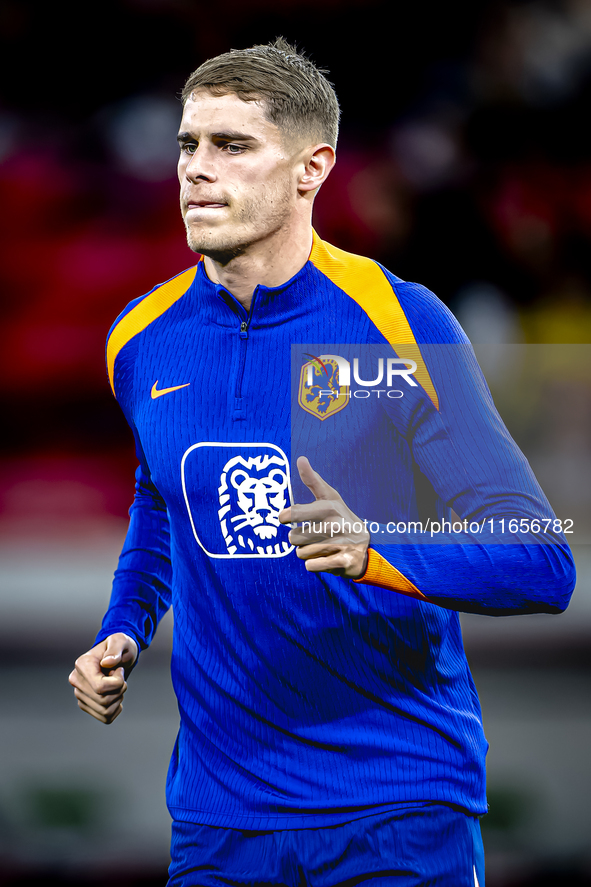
(464, 164)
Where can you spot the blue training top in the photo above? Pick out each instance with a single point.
(307, 699)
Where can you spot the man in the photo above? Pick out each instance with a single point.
(330, 730)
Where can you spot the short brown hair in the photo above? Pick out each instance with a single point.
(298, 97)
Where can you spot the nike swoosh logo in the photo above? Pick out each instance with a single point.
(154, 393)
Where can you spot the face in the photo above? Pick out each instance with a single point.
(238, 179)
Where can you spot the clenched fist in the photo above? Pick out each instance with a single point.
(99, 676)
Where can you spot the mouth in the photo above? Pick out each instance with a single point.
(204, 204)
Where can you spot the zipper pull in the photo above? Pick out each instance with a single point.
(244, 330)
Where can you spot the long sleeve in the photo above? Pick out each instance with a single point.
(141, 592)
(488, 578)
(141, 587)
(466, 453)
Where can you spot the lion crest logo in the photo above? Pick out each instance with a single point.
(252, 493)
(234, 494)
(320, 392)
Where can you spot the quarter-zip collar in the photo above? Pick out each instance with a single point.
(269, 306)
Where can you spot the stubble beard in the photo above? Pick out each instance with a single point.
(256, 220)
(215, 247)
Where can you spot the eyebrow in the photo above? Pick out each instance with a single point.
(227, 135)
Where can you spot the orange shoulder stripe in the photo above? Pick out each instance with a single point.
(143, 314)
(364, 281)
(379, 572)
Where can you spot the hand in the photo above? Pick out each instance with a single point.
(331, 539)
(99, 677)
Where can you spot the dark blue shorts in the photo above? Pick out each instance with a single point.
(428, 846)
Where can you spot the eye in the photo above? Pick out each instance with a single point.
(188, 148)
(234, 149)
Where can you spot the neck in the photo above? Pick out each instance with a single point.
(270, 263)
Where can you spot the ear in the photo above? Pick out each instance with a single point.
(318, 162)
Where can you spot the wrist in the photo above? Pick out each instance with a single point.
(363, 569)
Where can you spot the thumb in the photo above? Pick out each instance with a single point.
(316, 484)
(118, 651)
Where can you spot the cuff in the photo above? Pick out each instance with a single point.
(381, 573)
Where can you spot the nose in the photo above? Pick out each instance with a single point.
(199, 166)
(261, 503)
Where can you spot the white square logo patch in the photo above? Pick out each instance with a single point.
(234, 493)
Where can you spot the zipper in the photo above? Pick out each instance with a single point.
(239, 405)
